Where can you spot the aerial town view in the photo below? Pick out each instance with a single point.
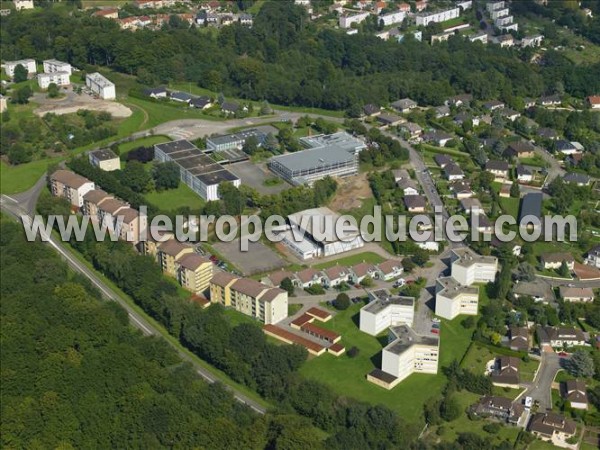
(300, 224)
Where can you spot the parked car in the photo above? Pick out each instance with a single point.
(436, 326)
(563, 354)
(399, 283)
(435, 331)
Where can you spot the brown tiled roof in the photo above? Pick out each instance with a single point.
(203, 302)
(575, 391)
(248, 287)
(192, 261)
(289, 336)
(271, 294)
(362, 269)
(547, 423)
(388, 266)
(318, 313)
(277, 277)
(222, 279)
(322, 333)
(333, 273)
(301, 320)
(307, 274)
(112, 206)
(96, 196)
(336, 348)
(69, 178)
(415, 201)
(173, 247)
(129, 214)
(557, 257)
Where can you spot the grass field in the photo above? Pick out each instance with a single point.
(347, 376)
(126, 147)
(173, 199)
(510, 206)
(478, 355)
(352, 260)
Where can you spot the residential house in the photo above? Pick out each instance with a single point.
(169, 252)
(510, 114)
(506, 372)
(105, 159)
(550, 100)
(181, 97)
(575, 393)
(565, 147)
(519, 149)
(579, 179)
(69, 185)
(547, 133)
(518, 338)
(499, 169)
(442, 111)
(389, 120)
(481, 223)
(576, 294)
(500, 408)
(390, 269)
(529, 102)
(400, 175)
(307, 277)
(438, 138)
(453, 172)
(412, 129)
(404, 105)
(158, 92)
(403, 7)
(461, 189)
(107, 13)
(362, 270)
(504, 190)
(558, 338)
(555, 260)
(201, 102)
(336, 275)
(593, 101)
(493, 105)
(409, 187)
(532, 41)
(275, 278)
(538, 290)
(524, 175)
(431, 245)
(194, 272)
(592, 257)
(530, 214)
(371, 110)
(463, 117)
(460, 100)
(550, 426)
(471, 205)
(415, 203)
(230, 108)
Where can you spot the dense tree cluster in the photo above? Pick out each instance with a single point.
(285, 59)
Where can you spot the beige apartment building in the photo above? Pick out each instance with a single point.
(195, 272)
(69, 185)
(168, 254)
(92, 201)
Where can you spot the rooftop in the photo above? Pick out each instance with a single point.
(450, 288)
(70, 179)
(100, 79)
(404, 337)
(384, 299)
(317, 157)
(321, 221)
(466, 257)
(104, 154)
(175, 146)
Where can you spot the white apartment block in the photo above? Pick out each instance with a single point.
(392, 18)
(385, 310)
(492, 6)
(503, 21)
(346, 21)
(499, 13)
(29, 64)
(406, 353)
(58, 78)
(464, 4)
(452, 299)
(23, 4)
(440, 16)
(54, 65)
(468, 267)
(101, 86)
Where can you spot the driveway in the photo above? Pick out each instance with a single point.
(540, 389)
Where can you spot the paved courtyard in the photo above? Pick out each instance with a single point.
(259, 258)
(254, 175)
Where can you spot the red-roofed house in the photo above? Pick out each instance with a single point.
(594, 101)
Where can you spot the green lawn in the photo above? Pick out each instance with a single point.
(126, 147)
(14, 179)
(510, 206)
(352, 260)
(347, 376)
(173, 199)
(479, 355)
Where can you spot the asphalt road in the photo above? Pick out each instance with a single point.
(13, 207)
(540, 388)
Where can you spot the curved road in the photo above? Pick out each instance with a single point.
(13, 207)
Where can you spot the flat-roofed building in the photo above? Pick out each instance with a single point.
(58, 78)
(169, 252)
(54, 65)
(439, 16)
(69, 185)
(28, 64)
(318, 226)
(385, 310)
(100, 86)
(468, 267)
(235, 140)
(197, 170)
(194, 272)
(265, 303)
(453, 299)
(105, 159)
(406, 353)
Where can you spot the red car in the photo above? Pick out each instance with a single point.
(435, 331)
(563, 354)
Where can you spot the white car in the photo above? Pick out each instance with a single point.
(399, 283)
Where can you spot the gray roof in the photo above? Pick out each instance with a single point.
(310, 158)
(104, 154)
(531, 205)
(182, 96)
(403, 337)
(578, 178)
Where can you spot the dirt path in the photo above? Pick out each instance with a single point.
(351, 192)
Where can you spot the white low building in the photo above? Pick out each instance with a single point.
(23, 4)
(385, 310)
(101, 86)
(439, 16)
(346, 21)
(29, 64)
(406, 353)
(58, 78)
(54, 65)
(468, 267)
(302, 247)
(392, 18)
(453, 299)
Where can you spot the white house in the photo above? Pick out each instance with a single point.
(100, 85)
(390, 269)
(385, 310)
(468, 267)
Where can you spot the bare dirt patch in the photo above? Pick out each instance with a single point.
(351, 192)
(71, 103)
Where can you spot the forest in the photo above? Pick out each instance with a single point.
(286, 60)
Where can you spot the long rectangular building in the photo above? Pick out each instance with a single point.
(101, 86)
(197, 170)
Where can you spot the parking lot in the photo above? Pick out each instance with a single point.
(259, 258)
(254, 175)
